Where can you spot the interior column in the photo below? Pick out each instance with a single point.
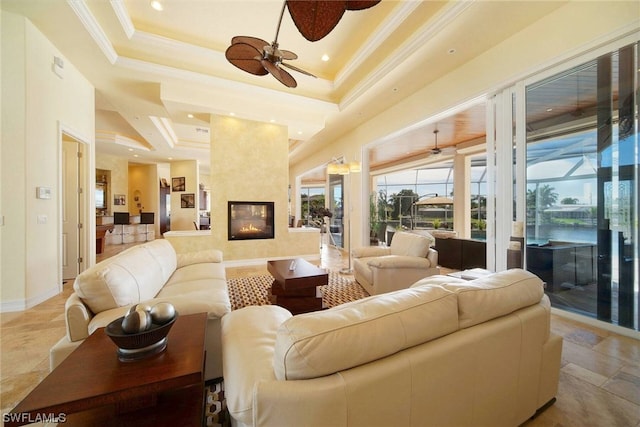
(462, 195)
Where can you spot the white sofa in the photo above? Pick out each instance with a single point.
(152, 272)
(409, 258)
(444, 352)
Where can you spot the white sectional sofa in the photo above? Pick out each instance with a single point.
(444, 352)
(152, 272)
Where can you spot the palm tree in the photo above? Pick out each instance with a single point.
(539, 199)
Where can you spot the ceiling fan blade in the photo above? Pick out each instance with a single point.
(243, 56)
(283, 77)
(257, 43)
(294, 68)
(361, 4)
(316, 19)
(287, 54)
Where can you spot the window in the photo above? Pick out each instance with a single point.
(582, 195)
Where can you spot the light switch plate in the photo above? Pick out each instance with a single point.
(43, 192)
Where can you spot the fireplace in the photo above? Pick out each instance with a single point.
(250, 220)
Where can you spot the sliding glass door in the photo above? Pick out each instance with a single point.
(582, 180)
(336, 206)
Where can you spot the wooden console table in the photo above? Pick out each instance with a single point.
(92, 387)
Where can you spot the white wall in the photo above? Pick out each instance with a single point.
(37, 104)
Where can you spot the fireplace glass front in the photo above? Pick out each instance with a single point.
(250, 220)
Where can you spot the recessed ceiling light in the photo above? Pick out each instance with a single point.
(232, 114)
(156, 5)
(272, 121)
(299, 132)
(135, 155)
(130, 149)
(325, 57)
(170, 158)
(451, 51)
(190, 116)
(549, 110)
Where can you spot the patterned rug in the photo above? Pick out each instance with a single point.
(254, 290)
(215, 405)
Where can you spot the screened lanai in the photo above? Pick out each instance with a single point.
(402, 198)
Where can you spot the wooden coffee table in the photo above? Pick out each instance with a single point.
(92, 387)
(296, 290)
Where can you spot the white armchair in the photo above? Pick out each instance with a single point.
(385, 269)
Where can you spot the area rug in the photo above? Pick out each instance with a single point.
(254, 290)
(215, 405)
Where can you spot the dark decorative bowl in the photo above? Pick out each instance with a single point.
(139, 345)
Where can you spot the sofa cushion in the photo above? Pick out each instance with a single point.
(437, 279)
(196, 296)
(410, 244)
(323, 342)
(496, 295)
(198, 257)
(197, 271)
(131, 276)
(164, 254)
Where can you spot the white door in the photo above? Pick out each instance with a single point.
(70, 209)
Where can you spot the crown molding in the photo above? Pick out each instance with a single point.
(429, 30)
(123, 17)
(90, 23)
(109, 137)
(378, 37)
(166, 130)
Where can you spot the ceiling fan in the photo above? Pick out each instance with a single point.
(436, 151)
(258, 57)
(314, 20)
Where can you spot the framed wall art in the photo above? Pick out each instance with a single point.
(178, 184)
(188, 200)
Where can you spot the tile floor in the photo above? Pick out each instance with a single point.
(599, 378)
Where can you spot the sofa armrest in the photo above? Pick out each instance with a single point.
(77, 319)
(400, 261)
(61, 350)
(432, 256)
(371, 251)
(248, 342)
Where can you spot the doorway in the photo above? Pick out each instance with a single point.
(165, 209)
(71, 205)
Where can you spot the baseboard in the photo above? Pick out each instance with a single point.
(597, 323)
(263, 261)
(25, 304)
